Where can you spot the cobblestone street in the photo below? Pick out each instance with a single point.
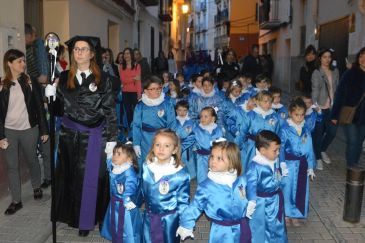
(325, 224)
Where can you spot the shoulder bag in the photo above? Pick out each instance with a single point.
(347, 113)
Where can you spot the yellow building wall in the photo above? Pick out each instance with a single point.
(243, 17)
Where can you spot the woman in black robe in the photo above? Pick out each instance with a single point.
(85, 101)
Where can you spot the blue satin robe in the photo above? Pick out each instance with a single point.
(208, 198)
(283, 114)
(233, 119)
(153, 117)
(299, 145)
(188, 157)
(265, 226)
(201, 139)
(251, 125)
(197, 104)
(132, 219)
(232, 110)
(177, 199)
(312, 118)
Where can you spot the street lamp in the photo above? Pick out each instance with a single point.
(185, 8)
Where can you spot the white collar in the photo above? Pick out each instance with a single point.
(182, 120)
(210, 127)
(244, 91)
(297, 127)
(244, 106)
(310, 110)
(260, 159)
(153, 102)
(196, 90)
(223, 178)
(78, 75)
(233, 98)
(211, 94)
(160, 170)
(173, 94)
(276, 106)
(263, 113)
(119, 169)
(166, 84)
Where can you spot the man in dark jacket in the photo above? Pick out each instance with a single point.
(251, 63)
(142, 61)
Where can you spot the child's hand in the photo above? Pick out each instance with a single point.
(284, 169)
(251, 206)
(109, 149)
(137, 150)
(130, 205)
(311, 174)
(184, 233)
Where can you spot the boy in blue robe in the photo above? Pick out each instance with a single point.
(263, 182)
(277, 106)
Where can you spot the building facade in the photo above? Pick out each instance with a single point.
(287, 27)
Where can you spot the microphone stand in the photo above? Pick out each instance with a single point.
(52, 43)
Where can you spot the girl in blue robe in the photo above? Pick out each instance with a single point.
(263, 181)
(196, 89)
(262, 117)
(165, 81)
(297, 158)
(122, 220)
(165, 187)
(279, 108)
(222, 196)
(209, 97)
(201, 138)
(153, 112)
(174, 91)
(313, 112)
(185, 125)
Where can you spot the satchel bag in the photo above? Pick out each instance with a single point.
(347, 113)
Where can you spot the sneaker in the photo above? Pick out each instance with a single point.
(13, 208)
(319, 164)
(37, 193)
(325, 158)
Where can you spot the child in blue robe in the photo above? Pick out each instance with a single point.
(262, 117)
(223, 198)
(165, 81)
(201, 138)
(185, 125)
(209, 97)
(174, 91)
(279, 108)
(153, 112)
(313, 112)
(165, 187)
(196, 87)
(263, 183)
(297, 158)
(122, 220)
(262, 83)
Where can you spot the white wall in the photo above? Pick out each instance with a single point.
(56, 18)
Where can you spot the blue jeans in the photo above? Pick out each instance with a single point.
(355, 135)
(323, 134)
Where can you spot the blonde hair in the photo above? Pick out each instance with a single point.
(261, 95)
(233, 155)
(176, 140)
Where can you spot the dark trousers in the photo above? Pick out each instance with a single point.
(323, 134)
(355, 135)
(130, 101)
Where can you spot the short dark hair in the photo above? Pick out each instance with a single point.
(182, 103)
(151, 80)
(28, 29)
(128, 149)
(297, 103)
(262, 77)
(212, 112)
(275, 90)
(356, 64)
(310, 49)
(265, 137)
(210, 80)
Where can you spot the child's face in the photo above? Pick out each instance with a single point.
(153, 91)
(180, 78)
(165, 77)
(163, 148)
(236, 91)
(262, 85)
(308, 102)
(265, 103)
(243, 81)
(172, 86)
(207, 87)
(206, 117)
(297, 115)
(181, 111)
(120, 157)
(276, 98)
(225, 85)
(271, 152)
(218, 161)
(250, 104)
(198, 82)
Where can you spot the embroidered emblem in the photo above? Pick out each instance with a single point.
(160, 113)
(282, 115)
(188, 129)
(164, 187)
(93, 87)
(272, 121)
(304, 138)
(120, 188)
(242, 192)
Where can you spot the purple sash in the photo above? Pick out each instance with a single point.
(250, 136)
(301, 181)
(156, 225)
(245, 236)
(281, 201)
(117, 235)
(203, 151)
(147, 128)
(91, 175)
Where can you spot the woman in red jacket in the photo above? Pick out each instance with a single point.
(130, 76)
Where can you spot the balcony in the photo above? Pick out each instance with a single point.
(150, 2)
(165, 10)
(220, 41)
(203, 7)
(221, 17)
(269, 15)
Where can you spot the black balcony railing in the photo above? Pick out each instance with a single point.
(203, 7)
(269, 15)
(150, 2)
(221, 16)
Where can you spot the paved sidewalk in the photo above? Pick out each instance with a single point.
(325, 224)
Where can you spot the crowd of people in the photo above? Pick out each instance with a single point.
(132, 137)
